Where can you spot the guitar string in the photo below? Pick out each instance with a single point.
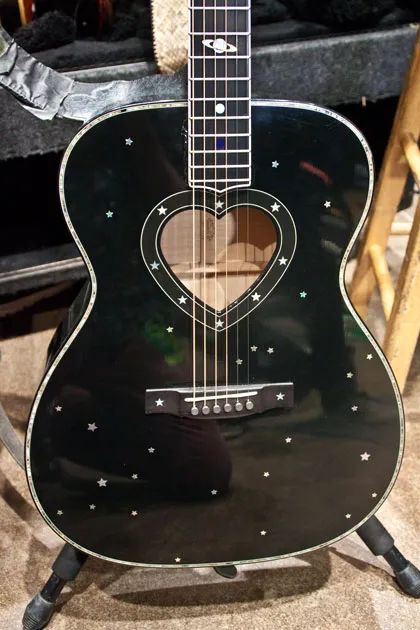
(249, 111)
(192, 145)
(226, 215)
(216, 333)
(237, 201)
(204, 216)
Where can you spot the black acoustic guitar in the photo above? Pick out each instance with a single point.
(213, 397)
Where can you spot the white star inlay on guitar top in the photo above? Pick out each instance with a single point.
(162, 211)
(102, 483)
(92, 427)
(275, 207)
(365, 457)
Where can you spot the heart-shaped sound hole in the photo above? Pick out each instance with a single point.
(218, 259)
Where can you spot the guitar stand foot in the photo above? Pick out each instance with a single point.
(229, 571)
(41, 608)
(381, 543)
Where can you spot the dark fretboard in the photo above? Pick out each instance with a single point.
(219, 94)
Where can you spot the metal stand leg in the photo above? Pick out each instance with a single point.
(65, 569)
(381, 543)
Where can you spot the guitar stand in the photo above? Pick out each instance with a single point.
(70, 561)
(66, 568)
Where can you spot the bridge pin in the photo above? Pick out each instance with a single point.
(194, 411)
(217, 409)
(239, 406)
(249, 405)
(206, 410)
(228, 408)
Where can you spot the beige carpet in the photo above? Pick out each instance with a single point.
(343, 587)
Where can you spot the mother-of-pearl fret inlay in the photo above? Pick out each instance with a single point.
(219, 94)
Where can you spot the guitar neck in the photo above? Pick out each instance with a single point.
(219, 94)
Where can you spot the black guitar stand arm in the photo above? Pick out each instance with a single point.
(381, 543)
(70, 561)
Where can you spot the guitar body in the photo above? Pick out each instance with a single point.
(116, 464)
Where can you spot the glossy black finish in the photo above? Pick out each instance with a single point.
(318, 487)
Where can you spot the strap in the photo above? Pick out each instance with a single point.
(49, 94)
(10, 439)
(170, 34)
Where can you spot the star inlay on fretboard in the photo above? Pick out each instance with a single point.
(219, 94)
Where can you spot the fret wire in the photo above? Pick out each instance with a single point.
(225, 33)
(195, 167)
(210, 58)
(219, 8)
(216, 151)
(221, 118)
(219, 180)
(217, 135)
(221, 98)
(223, 79)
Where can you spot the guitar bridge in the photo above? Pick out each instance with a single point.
(234, 401)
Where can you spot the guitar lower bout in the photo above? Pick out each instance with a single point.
(214, 397)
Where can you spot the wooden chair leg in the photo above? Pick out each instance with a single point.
(390, 187)
(404, 324)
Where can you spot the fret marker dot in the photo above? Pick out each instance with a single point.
(220, 143)
(220, 108)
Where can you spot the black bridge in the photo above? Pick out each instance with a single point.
(235, 401)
